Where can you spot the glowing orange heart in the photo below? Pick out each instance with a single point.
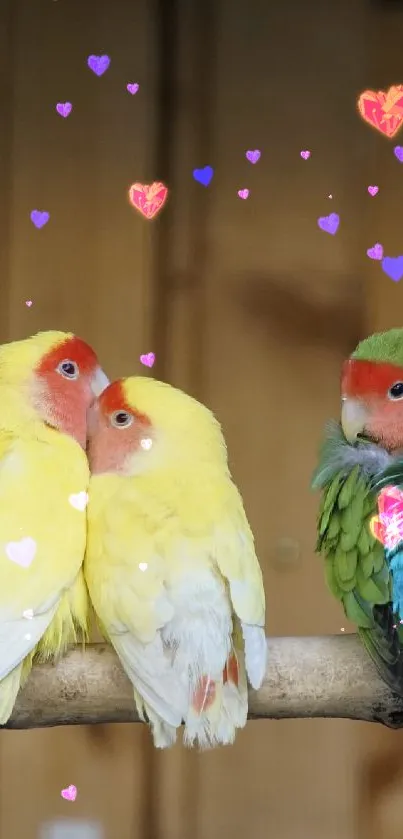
(384, 111)
(148, 199)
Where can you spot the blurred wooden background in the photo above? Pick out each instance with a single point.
(246, 303)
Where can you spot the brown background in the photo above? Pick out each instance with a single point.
(246, 303)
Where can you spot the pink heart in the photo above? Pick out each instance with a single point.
(64, 108)
(373, 190)
(390, 499)
(70, 793)
(305, 154)
(22, 552)
(28, 303)
(243, 193)
(383, 110)
(148, 359)
(148, 198)
(132, 88)
(376, 252)
(253, 155)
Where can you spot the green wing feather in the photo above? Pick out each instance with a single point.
(356, 569)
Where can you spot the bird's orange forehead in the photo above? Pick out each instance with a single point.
(73, 348)
(114, 398)
(368, 378)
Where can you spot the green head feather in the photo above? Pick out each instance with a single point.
(386, 347)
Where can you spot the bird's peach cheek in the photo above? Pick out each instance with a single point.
(387, 426)
(98, 453)
(106, 451)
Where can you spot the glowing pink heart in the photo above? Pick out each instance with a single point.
(243, 193)
(305, 154)
(383, 110)
(373, 190)
(253, 155)
(387, 526)
(70, 793)
(64, 108)
(148, 359)
(22, 553)
(148, 199)
(376, 252)
(132, 88)
(28, 303)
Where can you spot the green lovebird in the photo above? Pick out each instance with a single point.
(359, 457)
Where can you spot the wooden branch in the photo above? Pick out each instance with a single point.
(307, 677)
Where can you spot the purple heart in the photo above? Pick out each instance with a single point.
(64, 108)
(203, 176)
(132, 88)
(305, 154)
(243, 193)
(376, 252)
(329, 223)
(98, 63)
(393, 267)
(398, 152)
(253, 156)
(39, 219)
(373, 190)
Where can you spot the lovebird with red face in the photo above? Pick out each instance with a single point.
(170, 564)
(47, 383)
(361, 455)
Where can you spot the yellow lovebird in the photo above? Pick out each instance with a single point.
(170, 565)
(47, 383)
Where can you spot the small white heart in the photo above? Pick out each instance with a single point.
(28, 614)
(146, 443)
(79, 500)
(143, 566)
(22, 552)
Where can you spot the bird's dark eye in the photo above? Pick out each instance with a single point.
(68, 369)
(396, 391)
(121, 419)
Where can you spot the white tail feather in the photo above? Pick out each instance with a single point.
(255, 654)
(151, 674)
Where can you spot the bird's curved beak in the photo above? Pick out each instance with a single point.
(354, 416)
(99, 382)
